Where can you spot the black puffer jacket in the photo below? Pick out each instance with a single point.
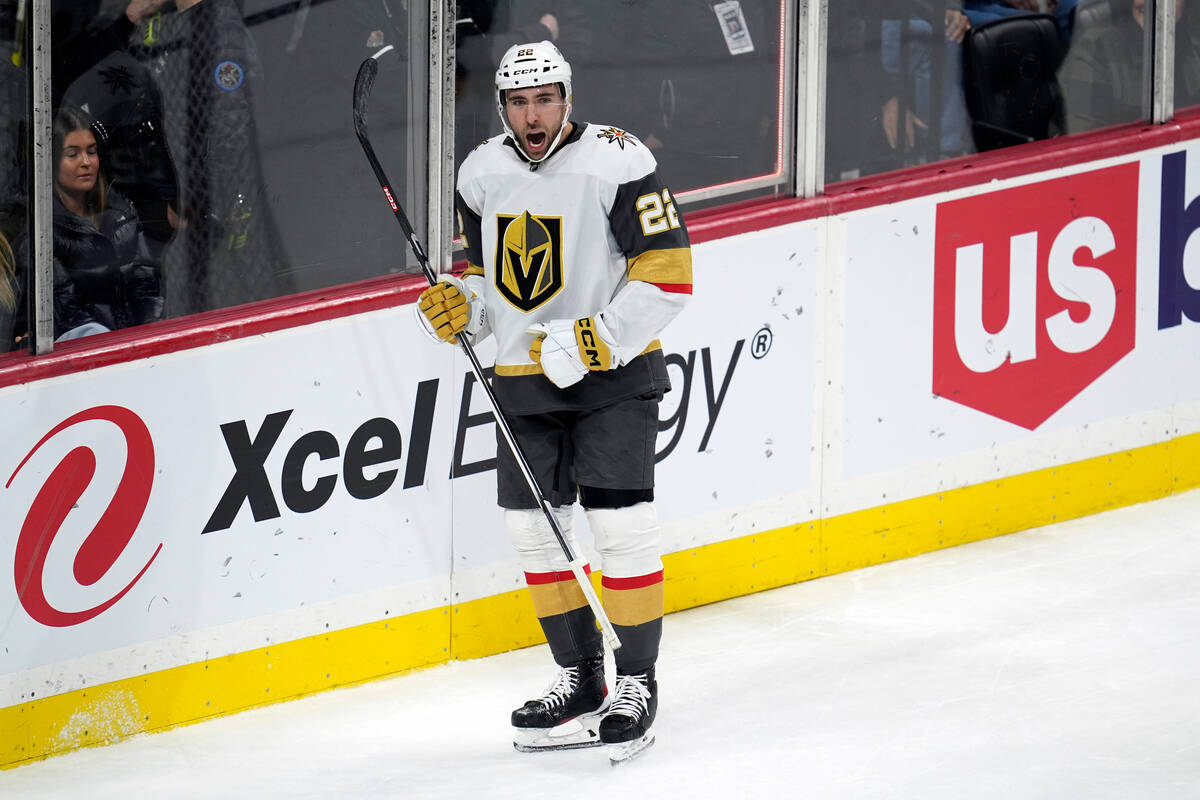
(106, 275)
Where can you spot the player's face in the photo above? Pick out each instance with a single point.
(536, 116)
(78, 167)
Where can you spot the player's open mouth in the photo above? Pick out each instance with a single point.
(536, 140)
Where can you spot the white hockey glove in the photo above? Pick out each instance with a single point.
(448, 308)
(568, 349)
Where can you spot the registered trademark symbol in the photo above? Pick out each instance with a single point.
(760, 345)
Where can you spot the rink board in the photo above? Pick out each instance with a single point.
(286, 513)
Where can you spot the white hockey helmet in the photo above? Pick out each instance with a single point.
(528, 65)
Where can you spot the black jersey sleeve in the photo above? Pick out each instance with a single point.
(650, 232)
(644, 217)
(470, 229)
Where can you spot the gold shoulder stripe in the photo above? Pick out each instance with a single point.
(662, 266)
(512, 370)
(472, 270)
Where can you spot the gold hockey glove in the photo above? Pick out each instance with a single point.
(446, 309)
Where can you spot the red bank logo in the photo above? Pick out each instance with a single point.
(54, 501)
(1034, 292)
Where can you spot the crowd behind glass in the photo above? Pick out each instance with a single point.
(203, 155)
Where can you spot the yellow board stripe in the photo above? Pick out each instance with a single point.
(194, 692)
(810, 549)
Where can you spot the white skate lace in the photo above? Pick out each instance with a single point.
(632, 696)
(562, 687)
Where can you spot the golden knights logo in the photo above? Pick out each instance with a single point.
(528, 259)
(618, 136)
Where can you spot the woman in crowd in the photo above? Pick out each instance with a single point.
(104, 275)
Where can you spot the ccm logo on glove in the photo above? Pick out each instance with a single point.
(568, 349)
(594, 353)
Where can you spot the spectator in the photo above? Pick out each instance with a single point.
(981, 11)
(929, 71)
(104, 278)
(81, 36)
(1102, 77)
(227, 248)
(119, 93)
(888, 71)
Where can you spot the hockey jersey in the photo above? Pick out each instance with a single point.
(590, 231)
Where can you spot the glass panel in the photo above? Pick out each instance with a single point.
(335, 225)
(699, 82)
(915, 81)
(14, 177)
(1103, 74)
(1187, 54)
(228, 167)
(894, 95)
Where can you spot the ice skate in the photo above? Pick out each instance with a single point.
(626, 728)
(567, 716)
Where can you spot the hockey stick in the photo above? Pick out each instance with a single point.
(364, 81)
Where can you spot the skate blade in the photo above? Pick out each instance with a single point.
(627, 751)
(571, 735)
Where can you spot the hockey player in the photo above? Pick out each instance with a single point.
(577, 260)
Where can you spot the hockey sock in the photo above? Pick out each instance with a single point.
(566, 619)
(635, 607)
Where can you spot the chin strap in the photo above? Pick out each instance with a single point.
(558, 140)
(562, 132)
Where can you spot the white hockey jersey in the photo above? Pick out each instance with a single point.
(590, 231)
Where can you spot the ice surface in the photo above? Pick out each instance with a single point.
(1058, 663)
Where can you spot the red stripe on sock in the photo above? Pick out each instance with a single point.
(637, 582)
(542, 578)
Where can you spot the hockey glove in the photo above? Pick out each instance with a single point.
(448, 308)
(568, 349)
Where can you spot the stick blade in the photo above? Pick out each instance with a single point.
(364, 82)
